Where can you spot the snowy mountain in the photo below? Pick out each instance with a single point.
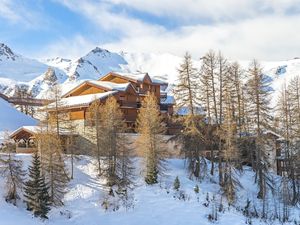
(16, 67)
(99, 62)
(95, 64)
(17, 70)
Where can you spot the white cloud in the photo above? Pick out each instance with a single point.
(18, 12)
(216, 10)
(102, 15)
(67, 48)
(251, 29)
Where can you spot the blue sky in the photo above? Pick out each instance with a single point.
(241, 29)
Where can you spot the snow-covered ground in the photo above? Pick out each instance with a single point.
(11, 118)
(153, 205)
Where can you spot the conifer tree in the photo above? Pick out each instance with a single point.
(12, 170)
(94, 112)
(258, 90)
(36, 190)
(235, 86)
(53, 165)
(176, 184)
(187, 96)
(186, 90)
(113, 141)
(125, 164)
(209, 77)
(230, 152)
(150, 142)
(287, 113)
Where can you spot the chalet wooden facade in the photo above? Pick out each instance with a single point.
(128, 89)
(25, 138)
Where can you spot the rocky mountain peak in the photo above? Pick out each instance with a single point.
(6, 53)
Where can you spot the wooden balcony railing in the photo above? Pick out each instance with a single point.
(124, 104)
(25, 150)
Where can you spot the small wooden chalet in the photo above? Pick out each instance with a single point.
(25, 138)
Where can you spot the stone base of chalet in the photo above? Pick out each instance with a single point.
(86, 141)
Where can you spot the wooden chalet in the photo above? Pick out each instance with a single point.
(128, 89)
(143, 84)
(25, 138)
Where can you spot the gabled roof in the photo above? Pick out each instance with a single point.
(30, 129)
(104, 85)
(33, 130)
(80, 101)
(133, 77)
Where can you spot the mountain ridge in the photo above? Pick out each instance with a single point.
(32, 73)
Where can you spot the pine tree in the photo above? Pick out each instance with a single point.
(176, 184)
(12, 170)
(36, 190)
(150, 142)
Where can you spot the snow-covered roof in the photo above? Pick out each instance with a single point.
(36, 129)
(134, 76)
(29, 129)
(275, 134)
(101, 84)
(81, 100)
(140, 77)
(110, 85)
(183, 111)
(168, 100)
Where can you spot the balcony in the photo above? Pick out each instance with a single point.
(25, 150)
(124, 104)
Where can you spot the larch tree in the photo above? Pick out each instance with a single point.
(293, 156)
(187, 96)
(209, 70)
(71, 145)
(94, 119)
(230, 153)
(11, 169)
(258, 91)
(53, 165)
(113, 141)
(186, 91)
(288, 115)
(210, 73)
(150, 141)
(235, 80)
